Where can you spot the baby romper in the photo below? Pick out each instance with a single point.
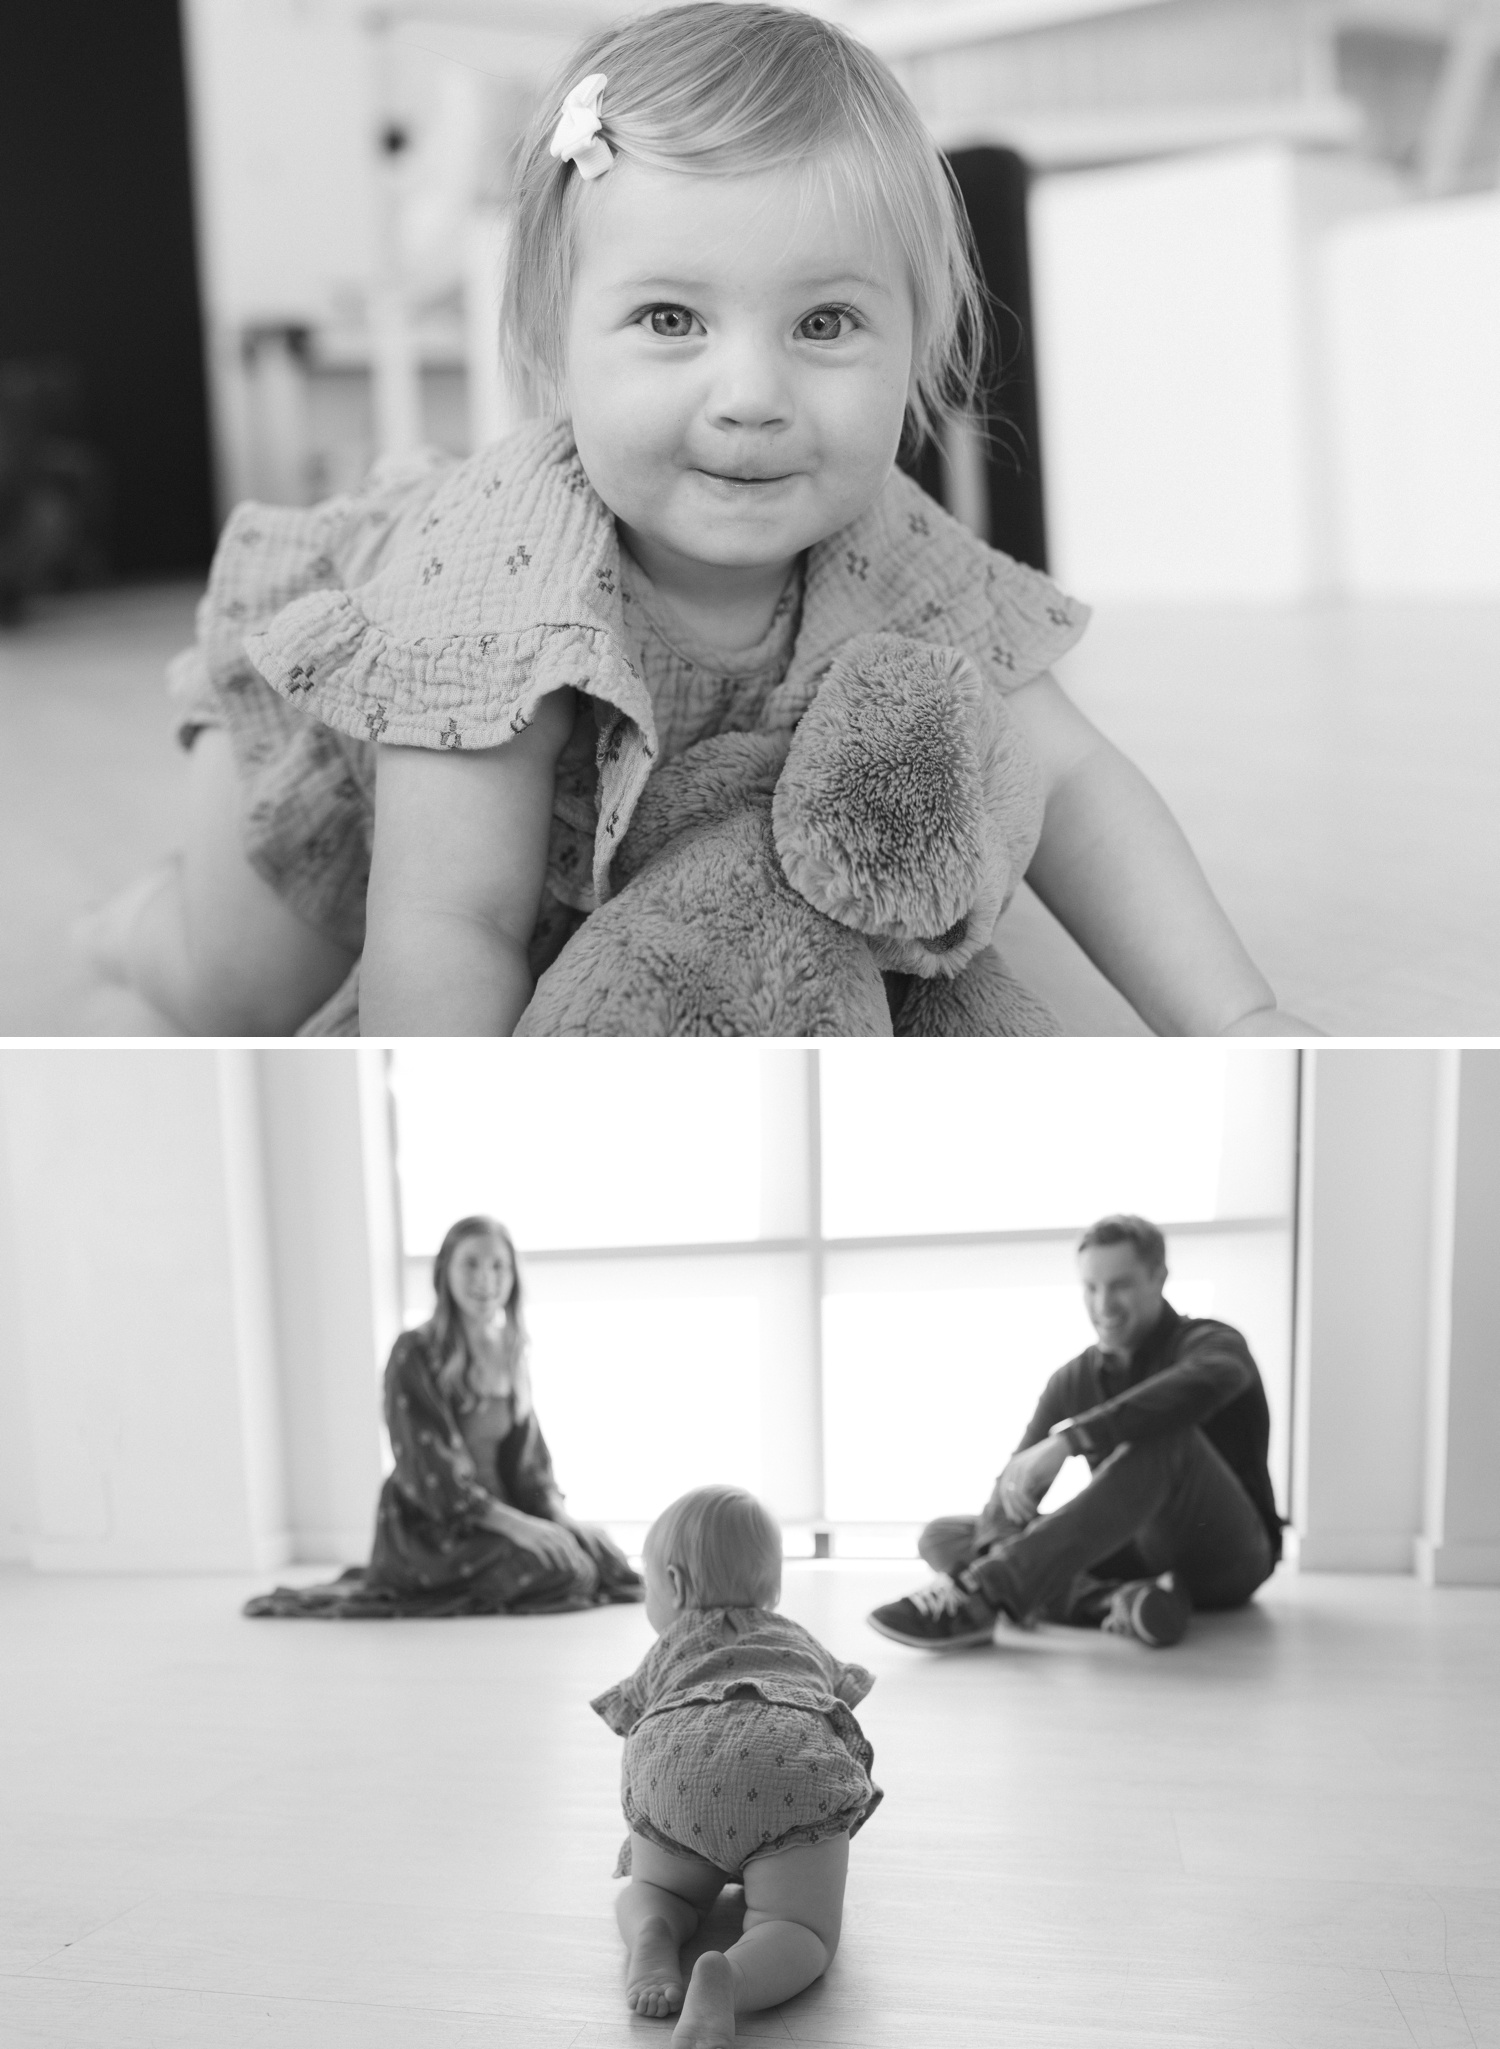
(740, 1740)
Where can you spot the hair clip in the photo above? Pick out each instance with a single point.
(576, 137)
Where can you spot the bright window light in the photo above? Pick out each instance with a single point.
(576, 1145)
(632, 1412)
(1046, 1135)
(695, 1315)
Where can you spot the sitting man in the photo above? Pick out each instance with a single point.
(1170, 1413)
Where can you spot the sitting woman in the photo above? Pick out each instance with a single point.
(471, 1521)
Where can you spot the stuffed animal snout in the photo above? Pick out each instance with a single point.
(907, 803)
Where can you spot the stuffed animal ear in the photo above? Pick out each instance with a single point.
(888, 815)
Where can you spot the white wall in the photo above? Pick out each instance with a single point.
(139, 1307)
(284, 102)
(1181, 415)
(197, 1289)
(17, 1494)
(1413, 334)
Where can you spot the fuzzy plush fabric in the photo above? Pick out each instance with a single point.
(767, 886)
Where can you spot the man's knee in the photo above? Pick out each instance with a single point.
(948, 1542)
(1173, 1453)
(1232, 1586)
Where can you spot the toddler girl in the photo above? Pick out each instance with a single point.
(742, 1761)
(420, 716)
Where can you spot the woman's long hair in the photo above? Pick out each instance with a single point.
(450, 1337)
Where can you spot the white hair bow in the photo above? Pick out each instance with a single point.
(576, 137)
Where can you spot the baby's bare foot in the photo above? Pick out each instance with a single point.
(708, 2011)
(653, 1973)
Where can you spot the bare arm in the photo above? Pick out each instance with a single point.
(456, 875)
(1114, 867)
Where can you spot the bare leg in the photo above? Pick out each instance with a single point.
(794, 1909)
(657, 1912)
(204, 942)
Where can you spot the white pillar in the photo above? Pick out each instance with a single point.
(1459, 1543)
(792, 1371)
(1369, 1123)
(331, 1202)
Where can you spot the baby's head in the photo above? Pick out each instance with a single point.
(716, 1547)
(769, 283)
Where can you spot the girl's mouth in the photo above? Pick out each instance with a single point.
(734, 481)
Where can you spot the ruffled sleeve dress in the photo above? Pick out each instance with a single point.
(437, 607)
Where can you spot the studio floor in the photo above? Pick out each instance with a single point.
(399, 1835)
(1336, 768)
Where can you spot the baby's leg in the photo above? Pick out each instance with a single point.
(205, 943)
(794, 1908)
(657, 1912)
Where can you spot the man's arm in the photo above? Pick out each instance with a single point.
(1022, 1483)
(1212, 1367)
(1067, 1391)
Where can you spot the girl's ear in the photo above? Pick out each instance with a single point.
(677, 1580)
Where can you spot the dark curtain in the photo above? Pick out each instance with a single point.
(99, 302)
(993, 183)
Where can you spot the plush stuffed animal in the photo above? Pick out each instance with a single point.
(842, 880)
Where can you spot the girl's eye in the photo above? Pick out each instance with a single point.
(675, 322)
(824, 324)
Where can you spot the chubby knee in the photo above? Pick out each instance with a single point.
(803, 1886)
(823, 1928)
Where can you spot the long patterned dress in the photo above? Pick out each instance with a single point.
(432, 1554)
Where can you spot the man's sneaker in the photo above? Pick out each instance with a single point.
(1154, 1611)
(942, 1617)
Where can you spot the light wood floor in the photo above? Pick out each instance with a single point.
(1337, 769)
(1284, 1834)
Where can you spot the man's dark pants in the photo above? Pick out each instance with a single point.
(1173, 1504)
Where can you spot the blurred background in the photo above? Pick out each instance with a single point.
(1263, 244)
(839, 1276)
(1246, 255)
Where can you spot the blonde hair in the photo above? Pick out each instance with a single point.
(715, 88)
(726, 1545)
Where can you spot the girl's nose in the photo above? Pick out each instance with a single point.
(748, 389)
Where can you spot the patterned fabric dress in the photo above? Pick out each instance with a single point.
(438, 605)
(432, 1554)
(740, 1740)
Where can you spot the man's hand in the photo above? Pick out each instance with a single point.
(1028, 1476)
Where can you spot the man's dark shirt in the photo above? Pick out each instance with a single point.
(1189, 1370)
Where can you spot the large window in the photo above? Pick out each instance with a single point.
(839, 1276)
